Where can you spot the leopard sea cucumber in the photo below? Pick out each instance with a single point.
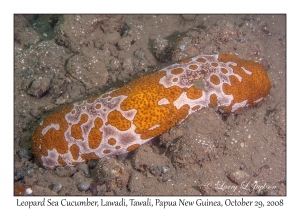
(120, 120)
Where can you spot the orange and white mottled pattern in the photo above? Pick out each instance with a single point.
(119, 121)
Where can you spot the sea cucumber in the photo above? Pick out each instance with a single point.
(120, 120)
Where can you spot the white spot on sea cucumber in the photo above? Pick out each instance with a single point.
(129, 115)
(239, 77)
(163, 101)
(238, 105)
(45, 130)
(258, 100)
(154, 126)
(181, 100)
(246, 71)
(50, 161)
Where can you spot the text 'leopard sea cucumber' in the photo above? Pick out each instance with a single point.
(120, 120)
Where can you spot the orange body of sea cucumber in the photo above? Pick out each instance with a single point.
(120, 120)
